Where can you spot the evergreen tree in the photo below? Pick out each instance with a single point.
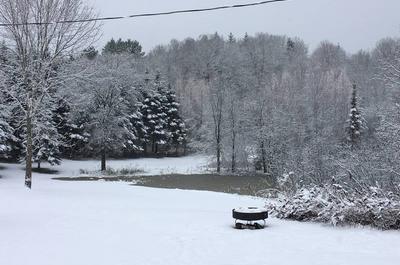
(10, 112)
(154, 111)
(90, 52)
(356, 122)
(120, 46)
(176, 127)
(17, 144)
(290, 45)
(154, 121)
(246, 37)
(138, 129)
(46, 139)
(71, 128)
(6, 132)
(231, 38)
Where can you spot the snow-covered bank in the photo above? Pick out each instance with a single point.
(193, 164)
(74, 223)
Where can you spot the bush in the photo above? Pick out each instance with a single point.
(340, 204)
(112, 172)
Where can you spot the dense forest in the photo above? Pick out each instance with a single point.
(261, 102)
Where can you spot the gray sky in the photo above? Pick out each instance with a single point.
(355, 24)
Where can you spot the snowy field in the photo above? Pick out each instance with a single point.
(103, 223)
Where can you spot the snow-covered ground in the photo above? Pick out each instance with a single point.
(151, 166)
(103, 223)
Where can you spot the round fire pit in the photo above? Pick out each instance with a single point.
(250, 215)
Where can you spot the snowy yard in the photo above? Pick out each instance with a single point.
(103, 223)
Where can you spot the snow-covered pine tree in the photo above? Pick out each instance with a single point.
(71, 128)
(46, 139)
(120, 46)
(146, 111)
(355, 121)
(176, 127)
(90, 52)
(161, 132)
(138, 129)
(6, 132)
(154, 111)
(10, 113)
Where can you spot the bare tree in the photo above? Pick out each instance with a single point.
(41, 35)
(217, 102)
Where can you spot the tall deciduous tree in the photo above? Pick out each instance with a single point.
(39, 43)
(107, 100)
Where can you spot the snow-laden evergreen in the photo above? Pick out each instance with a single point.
(163, 125)
(177, 132)
(356, 124)
(154, 115)
(6, 131)
(46, 139)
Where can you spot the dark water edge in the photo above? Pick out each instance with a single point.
(235, 184)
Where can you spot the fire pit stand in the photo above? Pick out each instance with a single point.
(250, 216)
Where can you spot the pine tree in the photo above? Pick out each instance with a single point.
(90, 52)
(6, 132)
(176, 127)
(138, 129)
(246, 38)
(231, 38)
(46, 139)
(11, 143)
(162, 124)
(154, 120)
(17, 144)
(120, 46)
(356, 122)
(71, 128)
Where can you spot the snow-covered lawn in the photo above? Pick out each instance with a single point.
(103, 223)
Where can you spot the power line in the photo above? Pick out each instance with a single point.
(146, 14)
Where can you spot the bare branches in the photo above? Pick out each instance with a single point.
(40, 50)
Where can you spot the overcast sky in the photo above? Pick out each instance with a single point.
(354, 24)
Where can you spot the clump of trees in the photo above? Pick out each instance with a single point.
(256, 103)
(30, 74)
(113, 107)
(55, 103)
(266, 103)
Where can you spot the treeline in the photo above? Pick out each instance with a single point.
(109, 105)
(266, 103)
(261, 102)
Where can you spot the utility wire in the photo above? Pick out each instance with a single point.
(146, 14)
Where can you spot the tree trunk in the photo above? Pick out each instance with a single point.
(29, 151)
(263, 157)
(38, 164)
(145, 149)
(233, 128)
(103, 160)
(153, 147)
(218, 151)
(233, 155)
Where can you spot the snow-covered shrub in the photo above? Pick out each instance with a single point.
(340, 204)
(112, 172)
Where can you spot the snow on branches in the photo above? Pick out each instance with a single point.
(341, 203)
